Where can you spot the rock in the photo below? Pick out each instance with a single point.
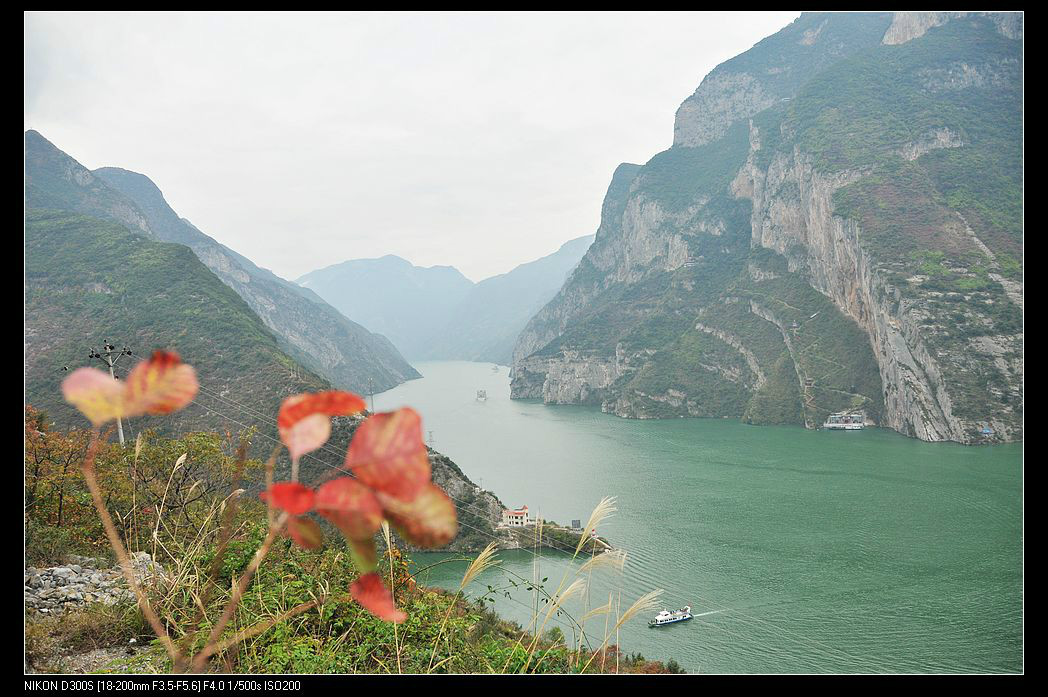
(55, 589)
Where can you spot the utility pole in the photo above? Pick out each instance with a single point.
(371, 393)
(109, 355)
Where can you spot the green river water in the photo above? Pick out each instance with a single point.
(799, 551)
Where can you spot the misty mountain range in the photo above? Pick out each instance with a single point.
(436, 313)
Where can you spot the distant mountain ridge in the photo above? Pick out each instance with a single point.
(436, 313)
(306, 327)
(487, 321)
(391, 296)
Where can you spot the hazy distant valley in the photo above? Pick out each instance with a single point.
(437, 313)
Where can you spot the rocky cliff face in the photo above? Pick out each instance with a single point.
(479, 510)
(721, 100)
(862, 282)
(802, 227)
(771, 72)
(56, 181)
(588, 278)
(907, 26)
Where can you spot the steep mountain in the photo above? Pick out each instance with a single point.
(837, 225)
(88, 280)
(485, 324)
(436, 313)
(391, 296)
(306, 327)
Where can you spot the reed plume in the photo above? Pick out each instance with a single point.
(600, 513)
(612, 558)
(483, 561)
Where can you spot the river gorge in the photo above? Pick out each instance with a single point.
(798, 550)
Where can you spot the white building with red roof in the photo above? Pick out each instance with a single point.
(516, 518)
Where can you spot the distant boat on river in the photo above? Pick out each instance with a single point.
(845, 421)
(667, 617)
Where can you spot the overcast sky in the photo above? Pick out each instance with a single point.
(480, 141)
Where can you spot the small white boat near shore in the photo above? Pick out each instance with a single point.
(845, 421)
(667, 617)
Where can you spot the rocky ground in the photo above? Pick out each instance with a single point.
(75, 617)
(60, 588)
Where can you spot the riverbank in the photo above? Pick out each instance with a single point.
(444, 632)
(550, 537)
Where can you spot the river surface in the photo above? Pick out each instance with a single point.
(799, 551)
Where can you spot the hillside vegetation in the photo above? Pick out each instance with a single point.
(297, 613)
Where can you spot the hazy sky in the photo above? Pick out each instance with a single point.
(480, 141)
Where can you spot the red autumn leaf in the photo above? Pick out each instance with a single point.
(427, 521)
(350, 506)
(307, 435)
(369, 591)
(305, 532)
(331, 402)
(292, 497)
(160, 385)
(387, 454)
(98, 397)
(304, 420)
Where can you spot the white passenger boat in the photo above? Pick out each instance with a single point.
(667, 617)
(845, 421)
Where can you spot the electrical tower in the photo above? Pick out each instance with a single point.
(109, 355)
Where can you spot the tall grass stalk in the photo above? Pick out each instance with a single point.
(607, 617)
(238, 591)
(225, 532)
(577, 586)
(88, 469)
(481, 563)
(392, 589)
(163, 501)
(648, 601)
(601, 512)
